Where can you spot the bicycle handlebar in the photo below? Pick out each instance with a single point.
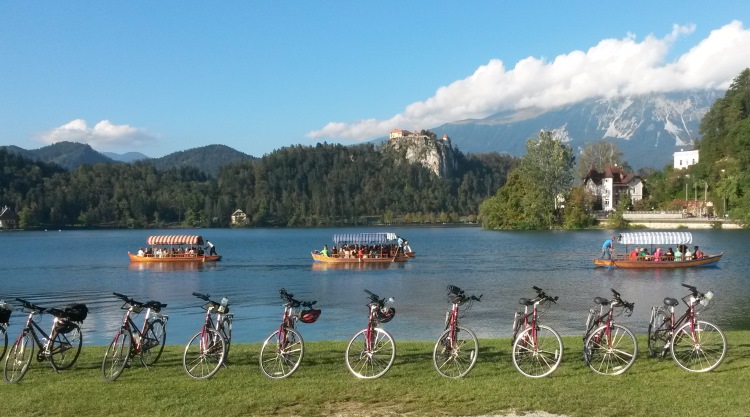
(31, 306)
(461, 295)
(289, 298)
(204, 297)
(541, 295)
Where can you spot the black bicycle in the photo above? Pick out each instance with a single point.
(147, 342)
(61, 346)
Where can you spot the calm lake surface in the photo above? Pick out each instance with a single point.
(53, 268)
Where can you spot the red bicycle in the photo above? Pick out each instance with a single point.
(457, 347)
(609, 348)
(207, 351)
(537, 349)
(371, 352)
(282, 351)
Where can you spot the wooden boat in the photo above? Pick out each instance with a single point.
(387, 249)
(655, 240)
(174, 249)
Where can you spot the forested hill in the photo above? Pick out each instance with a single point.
(208, 159)
(69, 155)
(294, 186)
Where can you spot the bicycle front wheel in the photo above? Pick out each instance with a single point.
(537, 352)
(66, 347)
(152, 342)
(204, 354)
(19, 359)
(226, 331)
(455, 358)
(658, 335)
(701, 350)
(118, 355)
(281, 353)
(370, 360)
(613, 354)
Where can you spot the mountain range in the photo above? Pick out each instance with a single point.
(648, 129)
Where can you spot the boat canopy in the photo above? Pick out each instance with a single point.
(656, 238)
(175, 240)
(364, 238)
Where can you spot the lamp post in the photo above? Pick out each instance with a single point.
(724, 197)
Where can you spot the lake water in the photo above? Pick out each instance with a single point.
(53, 268)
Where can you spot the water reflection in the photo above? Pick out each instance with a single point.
(353, 266)
(171, 266)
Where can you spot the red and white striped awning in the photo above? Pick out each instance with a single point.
(175, 240)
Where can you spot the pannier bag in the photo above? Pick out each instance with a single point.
(5, 311)
(76, 312)
(64, 326)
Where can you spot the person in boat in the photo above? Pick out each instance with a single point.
(324, 252)
(687, 255)
(141, 252)
(607, 248)
(697, 254)
(210, 248)
(633, 254)
(334, 251)
(658, 253)
(669, 255)
(678, 254)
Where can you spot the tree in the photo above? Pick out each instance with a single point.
(599, 154)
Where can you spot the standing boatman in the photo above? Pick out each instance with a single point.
(607, 248)
(210, 247)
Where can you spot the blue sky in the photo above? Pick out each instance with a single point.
(161, 77)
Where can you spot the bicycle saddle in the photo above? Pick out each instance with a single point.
(526, 302)
(601, 300)
(154, 305)
(671, 302)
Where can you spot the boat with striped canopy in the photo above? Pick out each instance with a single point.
(364, 248)
(656, 257)
(174, 248)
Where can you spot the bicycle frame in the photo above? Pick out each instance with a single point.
(129, 323)
(44, 342)
(372, 323)
(288, 321)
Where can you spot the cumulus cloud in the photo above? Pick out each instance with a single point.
(103, 135)
(612, 68)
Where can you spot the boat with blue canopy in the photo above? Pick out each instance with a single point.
(648, 250)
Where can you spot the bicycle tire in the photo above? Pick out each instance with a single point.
(703, 354)
(152, 342)
(66, 347)
(5, 341)
(279, 359)
(536, 359)
(455, 359)
(659, 335)
(226, 331)
(118, 355)
(370, 364)
(611, 355)
(18, 360)
(204, 354)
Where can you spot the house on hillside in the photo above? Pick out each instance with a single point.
(8, 218)
(684, 159)
(239, 218)
(610, 185)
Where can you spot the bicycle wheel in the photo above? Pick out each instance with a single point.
(19, 359)
(66, 347)
(537, 356)
(281, 353)
(455, 358)
(118, 355)
(701, 353)
(613, 354)
(204, 354)
(226, 331)
(374, 362)
(152, 342)
(658, 335)
(5, 340)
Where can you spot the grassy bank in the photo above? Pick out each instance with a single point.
(323, 386)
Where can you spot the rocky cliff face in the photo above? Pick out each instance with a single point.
(437, 155)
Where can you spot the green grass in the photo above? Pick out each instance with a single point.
(323, 386)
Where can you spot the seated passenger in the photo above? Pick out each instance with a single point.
(633, 254)
(688, 255)
(677, 255)
(669, 255)
(697, 254)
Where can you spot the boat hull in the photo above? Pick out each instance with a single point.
(175, 259)
(645, 264)
(336, 260)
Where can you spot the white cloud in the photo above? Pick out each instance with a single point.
(612, 68)
(103, 135)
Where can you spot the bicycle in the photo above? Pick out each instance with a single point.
(537, 348)
(61, 346)
(282, 351)
(456, 350)
(371, 352)
(5, 312)
(147, 342)
(207, 351)
(695, 345)
(609, 348)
